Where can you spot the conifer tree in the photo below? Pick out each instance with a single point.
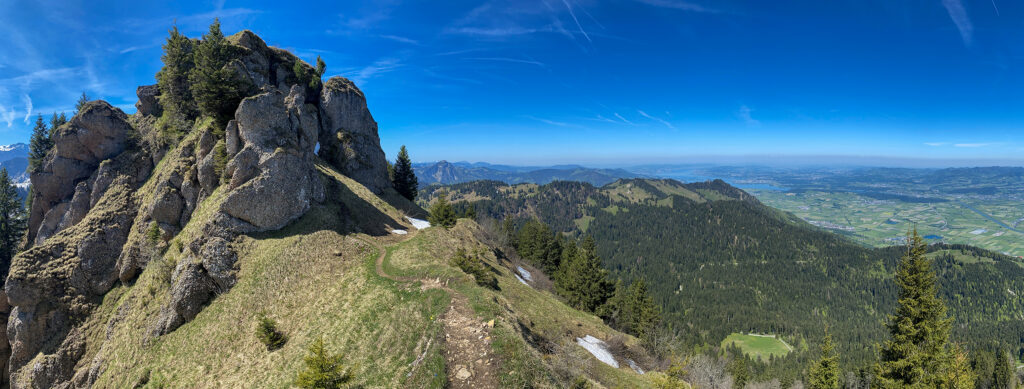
(81, 103)
(39, 144)
(917, 355)
(215, 88)
(1003, 372)
(960, 375)
(57, 121)
(404, 180)
(172, 79)
(323, 370)
(582, 280)
(12, 221)
(824, 373)
(441, 213)
(321, 67)
(639, 314)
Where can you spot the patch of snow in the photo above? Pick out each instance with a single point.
(418, 223)
(399, 232)
(599, 349)
(979, 231)
(521, 280)
(23, 185)
(526, 274)
(634, 366)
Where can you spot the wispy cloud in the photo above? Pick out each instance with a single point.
(657, 119)
(506, 59)
(679, 5)
(973, 144)
(936, 144)
(380, 66)
(401, 39)
(28, 107)
(624, 120)
(7, 115)
(574, 19)
(551, 122)
(497, 32)
(744, 114)
(958, 13)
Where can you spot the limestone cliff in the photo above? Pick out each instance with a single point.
(105, 186)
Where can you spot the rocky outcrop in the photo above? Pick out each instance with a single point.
(63, 188)
(149, 102)
(97, 196)
(348, 135)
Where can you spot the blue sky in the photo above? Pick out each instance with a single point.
(617, 82)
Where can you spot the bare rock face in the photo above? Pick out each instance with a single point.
(58, 282)
(149, 103)
(348, 135)
(277, 135)
(97, 133)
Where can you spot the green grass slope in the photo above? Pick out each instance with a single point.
(316, 278)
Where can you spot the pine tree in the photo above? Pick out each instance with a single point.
(172, 79)
(582, 280)
(824, 373)
(57, 121)
(39, 144)
(215, 88)
(12, 221)
(81, 103)
(321, 67)
(404, 180)
(471, 212)
(323, 370)
(1003, 372)
(639, 314)
(960, 375)
(917, 354)
(441, 213)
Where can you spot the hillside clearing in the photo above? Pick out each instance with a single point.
(758, 346)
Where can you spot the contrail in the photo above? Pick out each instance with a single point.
(573, 14)
(994, 6)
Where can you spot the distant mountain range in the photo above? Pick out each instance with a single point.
(447, 173)
(14, 158)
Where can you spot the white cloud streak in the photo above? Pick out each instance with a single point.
(505, 59)
(958, 14)
(7, 115)
(679, 5)
(401, 39)
(578, 25)
(657, 119)
(972, 145)
(623, 119)
(551, 122)
(28, 107)
(936, 144)
(744, 113)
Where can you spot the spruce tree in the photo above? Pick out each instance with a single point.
(323, 370)
(215, 88)
(1003, 372)
(39, 144)
(12, 221)
(404, 180)
(639, 314)
(960, 375)
(172, 79)
(441, 213)
(81, 103)
(917, 355)
(582, 280)
(321, 67)
(57, 121)
(824, 373)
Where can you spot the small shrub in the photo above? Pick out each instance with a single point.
(220, 158)
(323, 370)
(473, 266)
(153, 234)
(441, 213)
(268, 334)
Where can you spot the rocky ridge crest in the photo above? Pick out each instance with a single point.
(103, 188)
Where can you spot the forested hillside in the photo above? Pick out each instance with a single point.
(719, 262)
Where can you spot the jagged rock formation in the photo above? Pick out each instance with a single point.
(104, 186)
